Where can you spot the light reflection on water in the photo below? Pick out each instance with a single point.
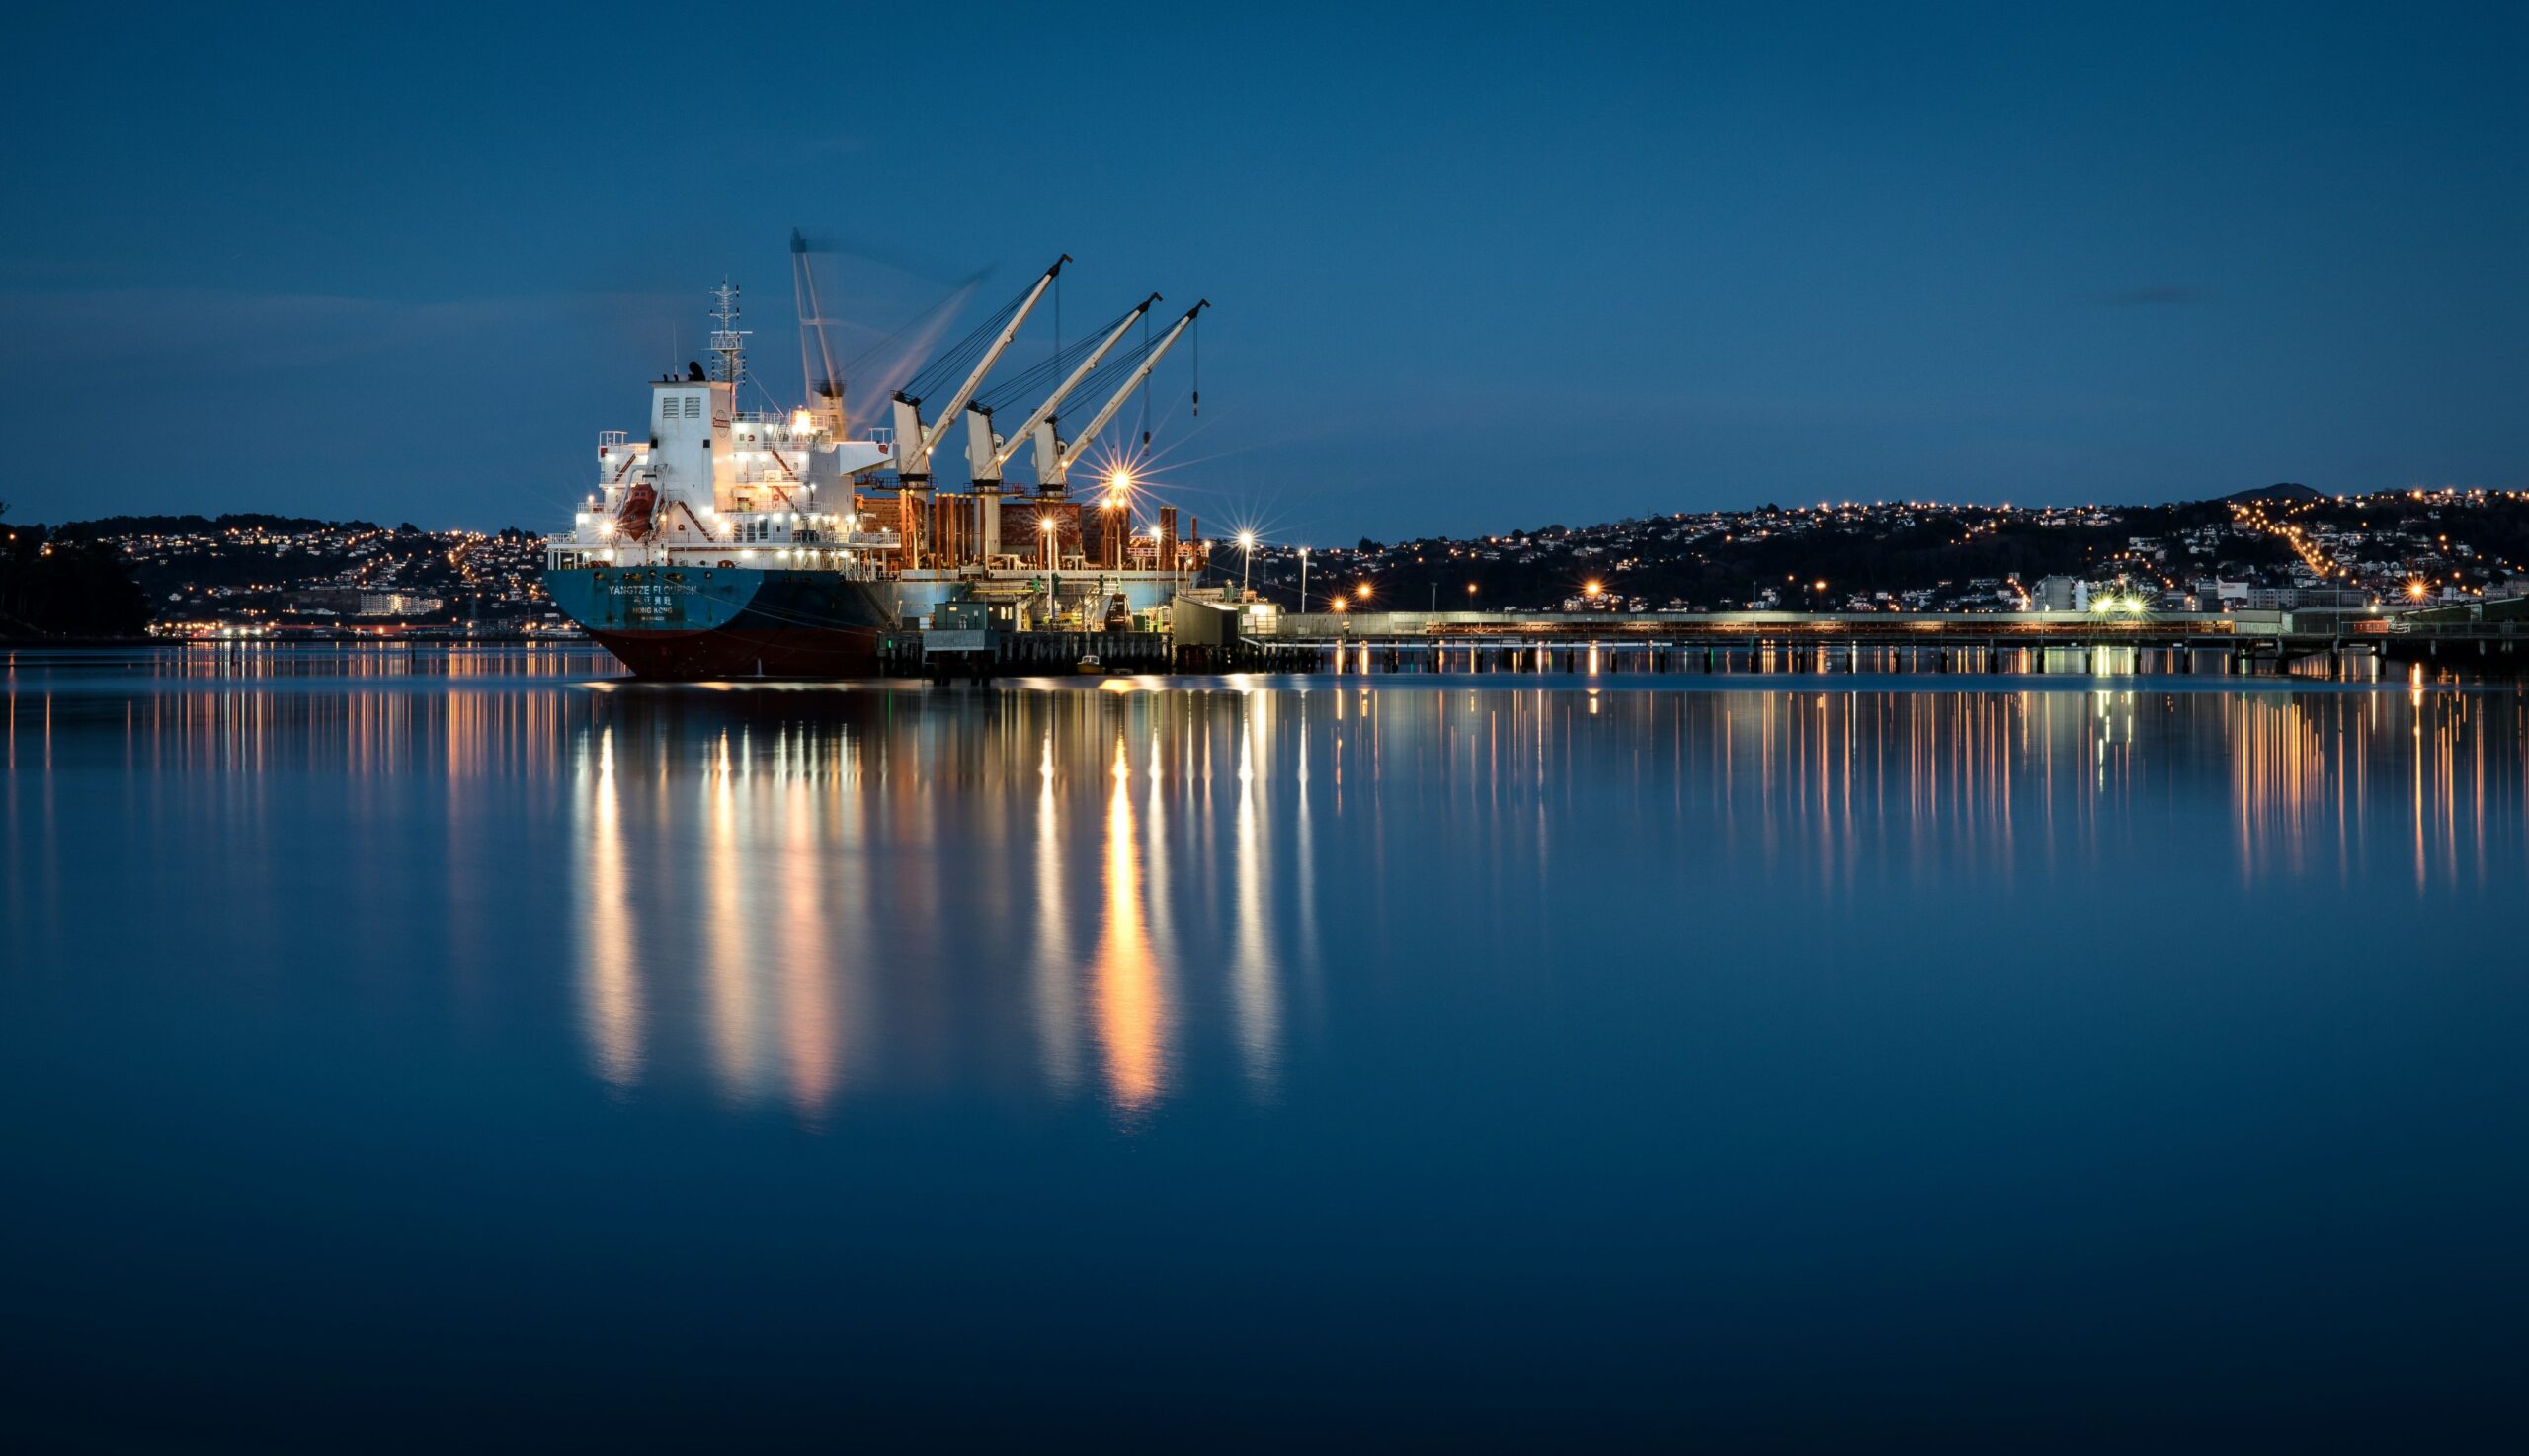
(805, 885)
(800, 880)
(1546, 1006)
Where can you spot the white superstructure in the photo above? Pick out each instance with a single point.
(721, 485)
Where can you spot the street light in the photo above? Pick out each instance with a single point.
(1362, 590)
(1045, 529)
(1246, 556)
(1303, 578)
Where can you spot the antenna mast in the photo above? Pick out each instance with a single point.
(728, 341)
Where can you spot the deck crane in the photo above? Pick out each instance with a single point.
(1054, 455)
(987, 451)
(916, 440)
(824, 384)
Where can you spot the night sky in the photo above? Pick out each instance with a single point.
(1475, 270)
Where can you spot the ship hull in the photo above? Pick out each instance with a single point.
(688, 623)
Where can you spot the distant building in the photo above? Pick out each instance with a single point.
(2215, 595)
(2060, 593)
(397, 604)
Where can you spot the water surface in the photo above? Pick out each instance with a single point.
(412, 1050)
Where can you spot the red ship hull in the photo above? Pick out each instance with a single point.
(689, 623)
(739, 652)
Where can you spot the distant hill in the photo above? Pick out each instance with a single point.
(2285, 491)
(132, 526)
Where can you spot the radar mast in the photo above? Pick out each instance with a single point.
(728, 341)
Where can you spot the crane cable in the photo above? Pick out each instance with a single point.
(965, 351)
(1049, 371)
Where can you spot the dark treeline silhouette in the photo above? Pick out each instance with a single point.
(64, 588)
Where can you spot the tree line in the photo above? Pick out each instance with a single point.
(65, 589)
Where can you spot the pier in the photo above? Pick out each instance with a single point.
(2334, 644)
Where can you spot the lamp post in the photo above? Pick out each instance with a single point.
(1045, 529)
(1246, 558)
(1111, 535)
(1303, 578)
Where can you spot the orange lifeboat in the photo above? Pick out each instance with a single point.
(640, 503)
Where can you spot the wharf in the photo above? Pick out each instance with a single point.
(2342, 644)
(2491, 638)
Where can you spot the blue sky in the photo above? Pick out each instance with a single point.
(1471, 267)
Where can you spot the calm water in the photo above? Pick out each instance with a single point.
(422, 1052)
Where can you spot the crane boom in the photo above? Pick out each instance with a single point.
(1054, 454)
(916, 462)
(987, 452)
(825, 387)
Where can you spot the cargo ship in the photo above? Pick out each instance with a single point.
(729, 542)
